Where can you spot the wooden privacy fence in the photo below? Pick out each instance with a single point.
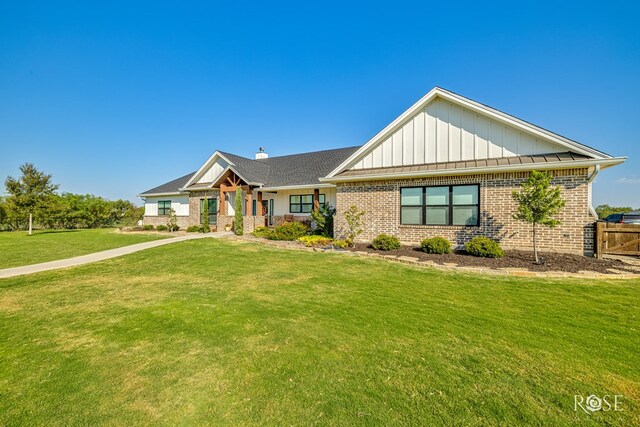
(617, 239)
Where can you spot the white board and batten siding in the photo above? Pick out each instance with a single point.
(180, 204)
(213, 172)
(446, 132)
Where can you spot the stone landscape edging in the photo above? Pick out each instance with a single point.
(516, 272)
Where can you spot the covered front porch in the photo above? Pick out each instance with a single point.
(261, 206)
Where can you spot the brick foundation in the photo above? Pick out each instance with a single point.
(381, 202)
(183, 221)
(249, 223)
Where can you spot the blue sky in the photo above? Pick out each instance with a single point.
(115, 98)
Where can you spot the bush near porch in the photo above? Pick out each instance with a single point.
(286, 231)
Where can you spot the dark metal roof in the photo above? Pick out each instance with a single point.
(294, 169)
(467, 164)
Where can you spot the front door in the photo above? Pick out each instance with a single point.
(265, 211)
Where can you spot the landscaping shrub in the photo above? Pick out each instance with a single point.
(323, 220)
(172, 224)
(315, 240)
(288, 231)
(205, 226)
(238, 226)
(262, 232)
(162, 228)
(340, 244)
(436, 245)
(355, 224)
(484, 247)
(193, 229)
(147, 227)
(384, 242)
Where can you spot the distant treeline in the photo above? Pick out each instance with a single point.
(33, 192)
(604, 211)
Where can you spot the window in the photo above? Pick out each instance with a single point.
(213, 210)
(254, 207)
(164, 207)
(303, 203)
(442, 205)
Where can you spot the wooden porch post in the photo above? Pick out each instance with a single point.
(223, 203)
(316, 199)
(248, 202)
(259, 211)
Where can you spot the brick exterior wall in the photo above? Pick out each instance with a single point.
(381, 202)
(249, 223)
(183, 221)
(194, 205)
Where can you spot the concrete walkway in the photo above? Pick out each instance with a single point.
(101, 256)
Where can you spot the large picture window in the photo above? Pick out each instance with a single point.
(441, 205)
(303, 203)
(164, 207)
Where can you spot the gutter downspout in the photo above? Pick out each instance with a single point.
(596, 170)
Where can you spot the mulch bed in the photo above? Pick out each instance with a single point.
(512, 259)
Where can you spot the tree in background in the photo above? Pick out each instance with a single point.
(238, 220)
(538, 202)
(33, 193)
(3, 214)
(30, 193)
(604, 211)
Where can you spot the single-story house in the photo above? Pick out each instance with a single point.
(445, 167)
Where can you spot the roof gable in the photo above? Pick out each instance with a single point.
(445, 127)
(210, 170)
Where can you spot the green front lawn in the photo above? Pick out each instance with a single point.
(230, 333)
(18, 248)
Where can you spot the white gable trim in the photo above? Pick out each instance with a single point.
(473, 106)
(215, 156)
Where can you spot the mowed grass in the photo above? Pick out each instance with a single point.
(231, 333)
(18, 248)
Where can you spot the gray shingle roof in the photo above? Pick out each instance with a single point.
(294, 169)
(171, 186)
(251, 170)
(304, 168)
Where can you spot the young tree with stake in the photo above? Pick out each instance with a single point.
(30, 193)
(538, 202)
(238, 220)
